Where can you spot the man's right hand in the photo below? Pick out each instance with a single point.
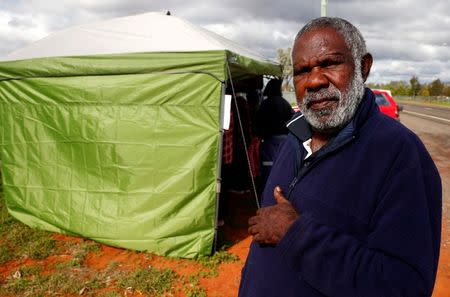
(271, 223)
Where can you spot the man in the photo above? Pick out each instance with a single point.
(352, 206)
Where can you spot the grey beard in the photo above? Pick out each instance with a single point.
(338, 117)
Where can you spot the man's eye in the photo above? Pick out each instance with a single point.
(302, 71)
(329, 63)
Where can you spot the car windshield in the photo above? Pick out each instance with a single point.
(381, 100)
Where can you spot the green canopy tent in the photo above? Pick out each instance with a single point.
(112, 131)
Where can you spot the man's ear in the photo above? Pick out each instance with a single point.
(366, 64)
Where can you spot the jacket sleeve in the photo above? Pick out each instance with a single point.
(400, 254)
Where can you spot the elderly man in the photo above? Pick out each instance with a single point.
(353, 203)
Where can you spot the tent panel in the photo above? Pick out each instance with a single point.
(242, 67)
(134, 168)
(211, 62)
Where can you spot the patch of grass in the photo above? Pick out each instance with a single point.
(65, 281)
(78, 259)
(79, 252)
(110, 294)
(426, 102)
(92, 246)
(42, 247)
(5, 254)
(17, 287)
(30, 270)
(192, 287)
(216, 259)
(213, 262)
(149, 280)
(25, 241)
(19, 240)
(42, 285)
(5, 218)
(196, 292)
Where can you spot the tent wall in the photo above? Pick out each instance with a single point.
(125, 160)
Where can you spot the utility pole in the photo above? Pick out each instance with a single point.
(323, 8)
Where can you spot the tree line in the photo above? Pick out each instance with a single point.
(412, 88)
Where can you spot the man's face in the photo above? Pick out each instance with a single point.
(327, 86)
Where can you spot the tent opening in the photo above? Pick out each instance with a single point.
(241, 186)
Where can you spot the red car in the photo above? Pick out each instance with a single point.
(386, 103)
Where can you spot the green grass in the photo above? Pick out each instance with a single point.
(32, 283)
(196, 292)
(149, 280)
(212, 263)
(192, 287)
(63, 282)
(20, 241)
(30, 270)
(73, 280)
(6, 253)
(110, 294)
(79, 252)
(423, 102)
(5, 218)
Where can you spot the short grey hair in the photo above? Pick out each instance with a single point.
(352, 36)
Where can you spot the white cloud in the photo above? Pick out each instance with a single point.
(384, 71)
(19, 30)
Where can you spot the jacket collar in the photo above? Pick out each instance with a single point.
(302, 130)
(299, 127)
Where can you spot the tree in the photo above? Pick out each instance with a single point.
(424, 92)
(436, 87)
(446, 91)
(415, 86)
(285, 59)
(398, 88)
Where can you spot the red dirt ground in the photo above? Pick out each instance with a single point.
(442, 286)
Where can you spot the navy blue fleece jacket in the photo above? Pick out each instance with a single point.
(370, 215)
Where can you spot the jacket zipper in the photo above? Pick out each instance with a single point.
(307, 166)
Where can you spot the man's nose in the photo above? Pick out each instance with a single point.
(316, 80)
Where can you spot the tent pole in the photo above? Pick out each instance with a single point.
(243, 138)
(219, 167)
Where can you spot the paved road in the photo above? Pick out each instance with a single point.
(441, 114)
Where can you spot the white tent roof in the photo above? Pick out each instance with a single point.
(149, 32)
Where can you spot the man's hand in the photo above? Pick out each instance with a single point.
(271, 223)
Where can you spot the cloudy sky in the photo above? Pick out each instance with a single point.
(406, 37)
